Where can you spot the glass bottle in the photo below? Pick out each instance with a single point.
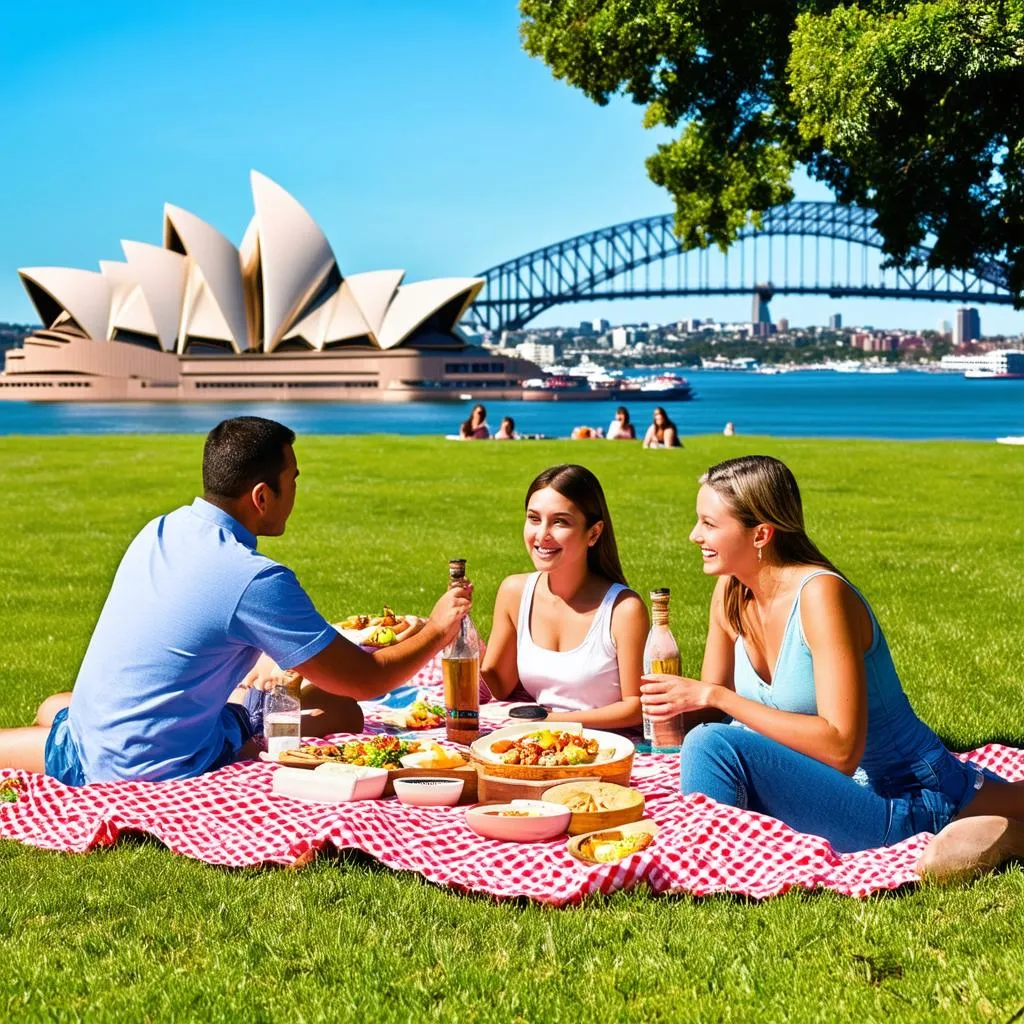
(661, 657)
(282, 716)
(460, 664)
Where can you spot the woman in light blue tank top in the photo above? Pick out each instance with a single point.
(821, 735)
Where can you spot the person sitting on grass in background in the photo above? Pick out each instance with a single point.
(475, 428)
(620, 429)
(507, 430)
(571, 633)
(828, 742)
(191, 608)
(662, 432)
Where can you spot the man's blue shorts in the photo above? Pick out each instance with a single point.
(61, 758)
(243, 721)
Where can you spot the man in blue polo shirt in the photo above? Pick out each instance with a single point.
(191, 607)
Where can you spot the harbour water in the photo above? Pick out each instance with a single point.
(900, 406)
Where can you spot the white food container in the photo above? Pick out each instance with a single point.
(331, 783)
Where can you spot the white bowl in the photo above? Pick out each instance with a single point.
(331, 783)
(536, 820)
(428, 791)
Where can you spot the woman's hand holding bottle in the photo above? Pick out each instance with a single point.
(663, 696)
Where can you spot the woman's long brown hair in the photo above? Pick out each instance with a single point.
(583, 489)
(759, 489)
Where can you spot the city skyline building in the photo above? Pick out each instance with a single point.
(966, 326)
(543, 353)
(621, 338)
(761, 317)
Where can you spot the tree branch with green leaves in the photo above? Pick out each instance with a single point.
(912, 109)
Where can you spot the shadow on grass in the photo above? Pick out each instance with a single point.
(1016, 740)
(360, 859)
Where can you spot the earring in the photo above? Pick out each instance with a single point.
(760, 551)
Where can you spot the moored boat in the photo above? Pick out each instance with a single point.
(983, 374)
(666, 387)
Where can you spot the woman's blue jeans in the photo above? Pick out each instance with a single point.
(735, 765)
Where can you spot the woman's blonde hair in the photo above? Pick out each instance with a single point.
(759, 489)
(584, 490)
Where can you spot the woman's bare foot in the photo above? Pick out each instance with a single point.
(971, 846)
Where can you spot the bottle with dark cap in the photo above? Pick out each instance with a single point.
(460, 663)
(661, 657)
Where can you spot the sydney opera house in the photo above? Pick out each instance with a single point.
(199, 319)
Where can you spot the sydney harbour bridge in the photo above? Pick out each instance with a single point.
(801, 248)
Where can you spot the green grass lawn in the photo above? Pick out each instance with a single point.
(932, 533)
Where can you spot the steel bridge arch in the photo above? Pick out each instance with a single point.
(576, 269)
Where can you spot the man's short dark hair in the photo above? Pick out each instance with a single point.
(243, 452)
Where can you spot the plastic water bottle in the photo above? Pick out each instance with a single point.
(282, 720)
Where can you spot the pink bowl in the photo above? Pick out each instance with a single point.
(545, 821)
(428, 791)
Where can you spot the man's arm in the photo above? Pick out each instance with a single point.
(344, 669)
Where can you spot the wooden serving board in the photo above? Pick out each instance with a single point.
(467, 773)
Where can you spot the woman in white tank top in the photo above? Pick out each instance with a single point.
(571, 633)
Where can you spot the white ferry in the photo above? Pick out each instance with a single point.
(741, 364)
(1004, 364)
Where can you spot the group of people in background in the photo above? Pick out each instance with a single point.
(476, 428)
(662, 432)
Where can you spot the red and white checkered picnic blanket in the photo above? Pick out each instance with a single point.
(231, 818)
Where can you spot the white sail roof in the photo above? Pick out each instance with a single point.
(282, 284)
(161, 274)
(124, 287)
(202, 315)
(295, 258)
(221, 272)
(373, 292)
(83, 294)
(415, 303)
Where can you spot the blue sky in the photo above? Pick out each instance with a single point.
(419, 135)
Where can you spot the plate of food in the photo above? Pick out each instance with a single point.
(376, 631)
(370, 751)
(555, 750)
(608, 846)
(434, 756)
(597, 805)
(520, 821)
(421, 714)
